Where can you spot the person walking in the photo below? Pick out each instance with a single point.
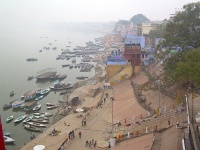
(73, 135)
(169, 122)
(95, 143)
(90, 143)
(86, 143)
(82, 122)
(79, 134)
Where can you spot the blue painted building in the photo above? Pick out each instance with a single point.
(130, 38)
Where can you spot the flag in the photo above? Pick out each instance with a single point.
(2, 144)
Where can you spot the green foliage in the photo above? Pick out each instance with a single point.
(139, 18)
(184, 30)
(184, 67)
(158, 32)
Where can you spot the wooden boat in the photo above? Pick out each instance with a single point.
(64, 92)
(54, 77)
(30, 78)
(8, 139)
(45, 114)
(12, 94)
(39, 97)
(45, 74)
(38, 91)
(37, 124)
(27, 119)
(50, 104)
(37, 107)
(61, 77)
(32, 128)
(20, 119)
(30, 105)
(53, 107)
(81, 77)
(17, 104)
(10, 118)
(40, 117)
(71, 66)
(46, 91)
(36, 114)
(40, 120)
(9, 105)
(61, 86)
(66, 65)
(6, 133)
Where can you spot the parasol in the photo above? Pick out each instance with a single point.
(39, 147)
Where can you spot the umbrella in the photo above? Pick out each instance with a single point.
(39, 147)
(79, 110)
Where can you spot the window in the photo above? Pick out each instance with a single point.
(133, 55)
(142, 55)
(138, 55)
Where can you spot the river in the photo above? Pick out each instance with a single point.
(19, 43)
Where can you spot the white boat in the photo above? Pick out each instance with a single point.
(20, 119)
(45, 114)
(39, 97)
(41, 117)
(32, 128)
(27, 119)
(40, 120)
(46, 91)
(50, 104)
(61, 77)
(36, 124)
(10, 118)
(37, 107)
(8, 139)
(53, 107)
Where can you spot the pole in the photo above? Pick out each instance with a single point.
(188, 117)
(112, 116)
(192, 107)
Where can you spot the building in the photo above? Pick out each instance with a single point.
(115, 65)
(144, 28)
(132, 49)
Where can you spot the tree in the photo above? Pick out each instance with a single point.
(184, 30)
(184, 67)
(158, 32)
(139, 18)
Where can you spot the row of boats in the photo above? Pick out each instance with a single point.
(29, 99)
(56, 76)
(33, 123)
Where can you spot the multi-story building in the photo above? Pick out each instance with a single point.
(144, 28)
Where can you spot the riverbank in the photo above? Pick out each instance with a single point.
(99, 72)
(60, 122)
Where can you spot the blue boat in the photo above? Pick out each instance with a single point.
(39, 97)
(20, 119)
(28, 119)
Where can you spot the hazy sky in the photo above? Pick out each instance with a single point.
(39, 11)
